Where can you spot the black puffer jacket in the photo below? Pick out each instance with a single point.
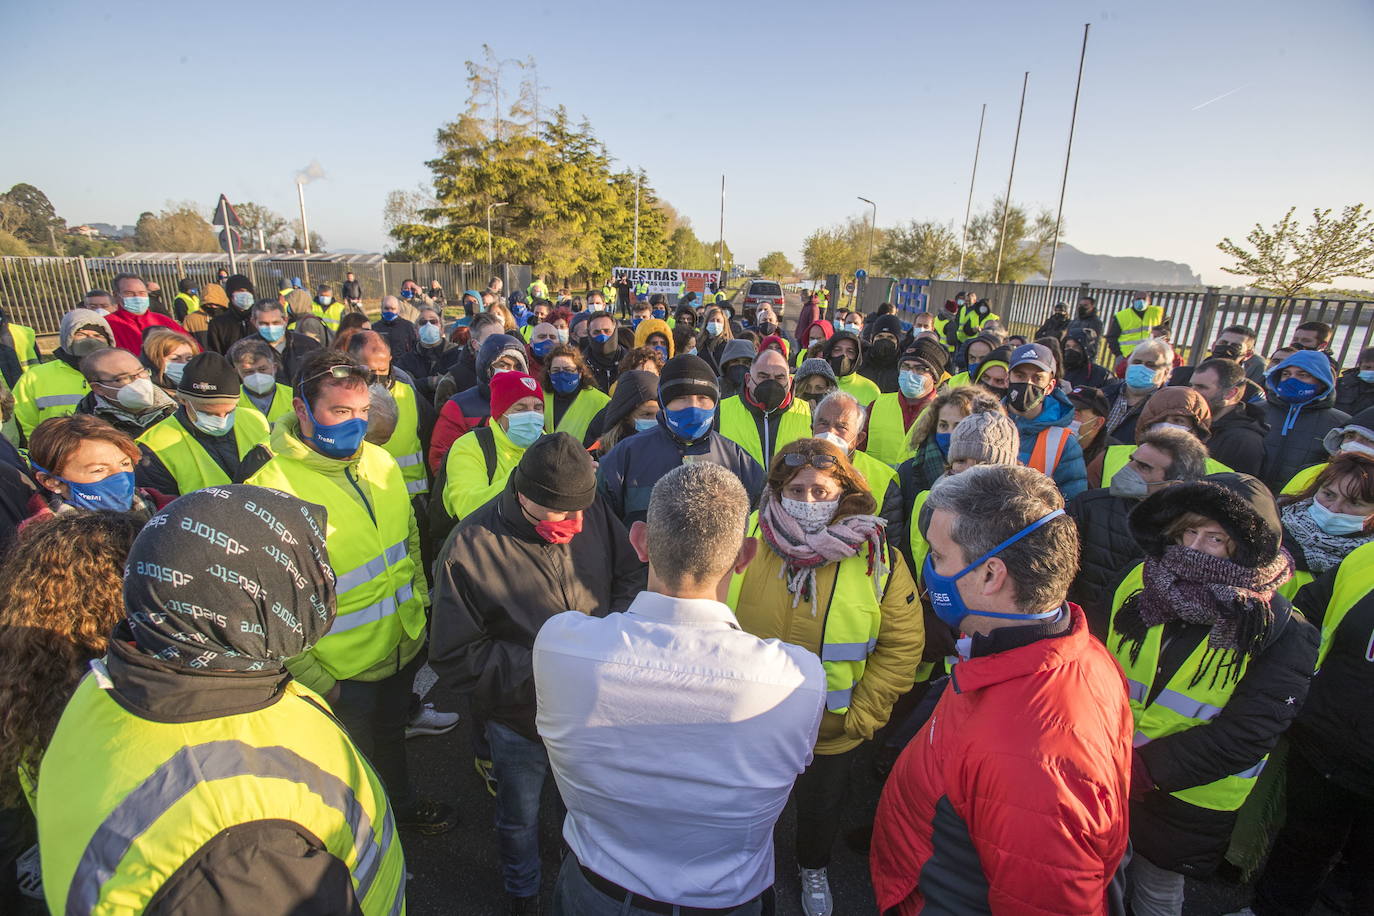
(1237, 439)
(1107, 552)
(1167, 831)
(1335, 731)
(1353, 395)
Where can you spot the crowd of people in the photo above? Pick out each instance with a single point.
(1104, 617)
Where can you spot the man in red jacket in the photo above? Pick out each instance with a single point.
(132, 318)
(1013, 797)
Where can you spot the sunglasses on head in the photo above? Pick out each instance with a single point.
(819, 462)
(340, 373)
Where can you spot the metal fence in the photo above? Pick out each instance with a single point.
(1195, 317)
(38, 291)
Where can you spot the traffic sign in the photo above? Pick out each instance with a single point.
(224, 240)
(224, 213)
(849, 287)
(860, 273)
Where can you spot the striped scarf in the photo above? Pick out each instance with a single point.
(804, 553)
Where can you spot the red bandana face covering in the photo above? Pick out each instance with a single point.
(559, 532)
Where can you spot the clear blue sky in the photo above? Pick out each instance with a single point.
(113, 109)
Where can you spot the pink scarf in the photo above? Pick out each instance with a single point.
(803, 553)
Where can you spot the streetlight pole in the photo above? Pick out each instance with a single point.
(1006, 203)
(868, 263)
(720, 239)
(1064, 182)
(490, 207)
(305, 229)
(968, 208)
(639, 183)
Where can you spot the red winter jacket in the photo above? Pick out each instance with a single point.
(1013, 797)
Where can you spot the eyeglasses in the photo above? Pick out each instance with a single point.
(340, 373)
(119, 381)
(819, 462)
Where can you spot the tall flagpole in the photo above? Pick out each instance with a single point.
(1006, 203)
(968, 209)
(1064, 182)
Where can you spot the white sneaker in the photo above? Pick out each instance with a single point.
(815, 892)
(430, 721)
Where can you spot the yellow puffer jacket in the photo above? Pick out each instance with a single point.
(765, 609)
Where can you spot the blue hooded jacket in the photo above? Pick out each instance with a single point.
(1296, 431)
(1070, 474)
(1314, 364)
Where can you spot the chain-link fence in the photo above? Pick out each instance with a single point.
(1195, 317)
(38, 291)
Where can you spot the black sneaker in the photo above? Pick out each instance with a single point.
(427, 818)
(523, 906)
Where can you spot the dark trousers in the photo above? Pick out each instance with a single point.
(1323, 819)
(375, 714)
(820, 795)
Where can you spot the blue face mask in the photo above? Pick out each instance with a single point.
(135, 305)
(388, 316)
(242, 300)
(1296, 391)
(524, 427)
(113, 494)
(973, 368)
(407, 294)
(1138, 304)
(661, 350)
(1366, 375)
(430, 334)
(272, 332)
(601, 338)
(565, 382)
(851, 327)
(541, 348)
(636, 322)
(942, 441)
(1140, 377)
(212, 425)
(714, 328)
(690, 423)
(943, 591)
(336, 440)
(1335, 523)
(914, 384)
(643, 424)
(660, 314)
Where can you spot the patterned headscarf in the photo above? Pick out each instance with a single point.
(231, 578)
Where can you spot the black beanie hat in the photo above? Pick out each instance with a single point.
(237, 282)
(209, 375)
(930, 352)
(684, 376)
(557, 473)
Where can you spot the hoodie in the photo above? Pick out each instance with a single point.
(735, 348)
(880, 360)
(1294, 440)
(471, 408)
(1070, 474)
(654, 326)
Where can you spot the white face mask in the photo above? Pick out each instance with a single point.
(834, 440)
(137, 395)
(811, 517)
(259, 382)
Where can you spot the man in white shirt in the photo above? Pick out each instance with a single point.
(675, 736)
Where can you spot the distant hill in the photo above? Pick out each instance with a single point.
(1074, 266)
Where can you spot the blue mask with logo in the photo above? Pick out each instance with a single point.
(644, 424)
(113, 494)
(541, 348)
(942, 440)
(690, 423)
(943, 591)
(336, 440)
(134, 305)
(565, 382)
(272, 332)
(1296, 391)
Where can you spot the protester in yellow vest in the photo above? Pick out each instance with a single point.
(186, 301)
(571, 398)
(190, 772)
(1130, 327)
(971, 318)
(415, 415)
(921, 370)
(53, 389)
(765, 416)
(208, 442)
(257, 362)
(373, 650)
(1329, 518)
(480, 461)
(1210, 705)
(839, 420)
(854, 605)
(326, 308)
(843, 352)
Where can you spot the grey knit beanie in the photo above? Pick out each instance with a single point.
(988, 438)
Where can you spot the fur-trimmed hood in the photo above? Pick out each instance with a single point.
(1241, 504)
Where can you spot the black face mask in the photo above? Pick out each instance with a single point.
(999, 391)
(841, 365)
(1226, 350)
(769, 395)
(767, 328)
(735, 375)
(883, 351)
(1086, 311)
(611, 345)
(1075, 359)
(1024, 396)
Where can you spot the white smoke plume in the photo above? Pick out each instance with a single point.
(312, 172)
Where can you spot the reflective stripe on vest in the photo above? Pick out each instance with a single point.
(175, 787)
(1049, 448)
(1135, 327)
(1180, 704)
(1354, 580)
(852, 620)
(889, 440)
(378, 607)
(187, 460)
(404, 444)
(738, 425)
(47, 390)
(57, 400)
